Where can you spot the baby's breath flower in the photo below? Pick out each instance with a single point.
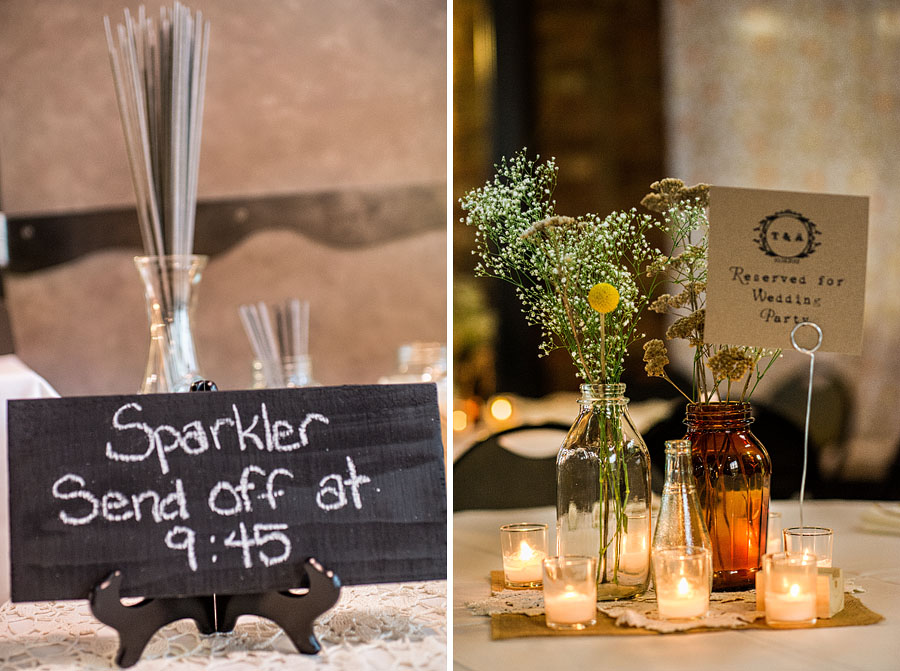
(539, 227)
(555, 261)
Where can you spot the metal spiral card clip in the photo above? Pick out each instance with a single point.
(811, 351)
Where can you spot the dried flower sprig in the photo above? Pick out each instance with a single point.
(556, 261)
(670, 193)
(684, 213)
(656, 358)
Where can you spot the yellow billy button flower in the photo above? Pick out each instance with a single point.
(603, 298)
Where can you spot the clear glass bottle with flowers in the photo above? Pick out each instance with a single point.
(582, 281)
(731, 467)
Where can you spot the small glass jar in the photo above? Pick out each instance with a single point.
(774, 537)
(681, 576)
(297, 371)
(570, 592)
(732, 472)
(523, 547)
(815, 541)
(419, 362)
(790, 590)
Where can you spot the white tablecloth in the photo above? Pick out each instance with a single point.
(16, 381)
(871, 561)
(383, 627)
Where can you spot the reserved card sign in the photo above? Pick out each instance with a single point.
(225, 492)
(779, 258)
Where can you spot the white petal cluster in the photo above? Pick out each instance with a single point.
(554, 261)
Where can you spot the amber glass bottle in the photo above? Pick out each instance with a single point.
(732, 471)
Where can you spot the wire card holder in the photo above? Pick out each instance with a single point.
(811, 351)
(294, 613)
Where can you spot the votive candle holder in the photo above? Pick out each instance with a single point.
(523, 547)
(570, 591)
(790, 589)
(682, 578)
(815, 541)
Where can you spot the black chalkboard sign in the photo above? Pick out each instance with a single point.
(225, 492)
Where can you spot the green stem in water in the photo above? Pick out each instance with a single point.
(603, 348)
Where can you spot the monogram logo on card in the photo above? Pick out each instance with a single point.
(787, 235)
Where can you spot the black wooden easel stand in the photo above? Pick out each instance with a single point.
(294, 613)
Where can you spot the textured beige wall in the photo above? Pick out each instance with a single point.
(302, 95)
(83, 325)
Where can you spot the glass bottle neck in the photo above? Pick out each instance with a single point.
(678, 463)
(593, 394)
(717, 416)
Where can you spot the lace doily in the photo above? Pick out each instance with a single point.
(727, 610)
(398, 625)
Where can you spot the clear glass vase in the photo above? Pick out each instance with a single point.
(733, 472)
(603, 493)
(170, 291)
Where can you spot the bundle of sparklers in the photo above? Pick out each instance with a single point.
(278, 342)
(159, 70)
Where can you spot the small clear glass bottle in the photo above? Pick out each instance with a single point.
(680, 522)
(603, 493)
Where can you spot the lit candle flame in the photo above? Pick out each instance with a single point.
(794, 590)
(526, 552)
(683, 587)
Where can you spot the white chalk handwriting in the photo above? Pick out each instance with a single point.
(239, 494)
(115, 506)
(195, 438)
(334, 496)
